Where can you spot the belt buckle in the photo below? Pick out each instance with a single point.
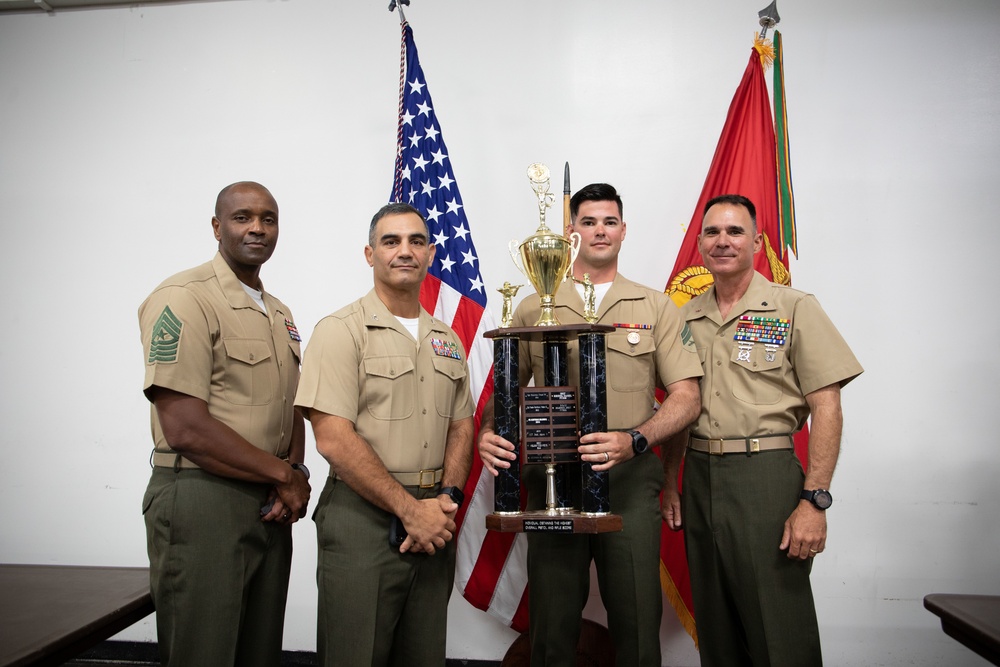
(423, 484)
(712, 447)
(754, 445)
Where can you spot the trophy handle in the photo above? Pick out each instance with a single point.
(575, 240)
(514, 249)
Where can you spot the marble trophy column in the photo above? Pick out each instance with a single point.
(506, 422)
(595, 487)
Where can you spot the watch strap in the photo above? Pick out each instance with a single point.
(454, 493)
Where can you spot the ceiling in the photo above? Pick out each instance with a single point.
(54, 6)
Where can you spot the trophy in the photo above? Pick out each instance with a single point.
(545, 421)
(545, 257)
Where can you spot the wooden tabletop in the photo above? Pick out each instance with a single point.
(974, 620)
(50, 613)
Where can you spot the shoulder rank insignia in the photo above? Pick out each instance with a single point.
(445, 348)
(165, 339)
(293, 333)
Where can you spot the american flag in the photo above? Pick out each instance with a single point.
(491, 567)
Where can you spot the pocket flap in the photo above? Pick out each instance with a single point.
(453, 368)
(618, 342)
(388, 367)
(758, 358)
(250, 351)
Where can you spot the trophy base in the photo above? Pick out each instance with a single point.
(555, 521)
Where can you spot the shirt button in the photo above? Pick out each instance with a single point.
(251, 356)
(722, 334)
(424, 411)
(716, 393)
(716, 424)
(425, 445)
(718, 363)
(421, 378)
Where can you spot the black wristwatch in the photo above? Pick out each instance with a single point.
(821, 498)
(454, 493)
(639, 443)
(301, 467)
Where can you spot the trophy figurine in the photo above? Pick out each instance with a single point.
(507, 312)
(589, 298)
(545, 257)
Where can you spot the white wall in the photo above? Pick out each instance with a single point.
(118, 127)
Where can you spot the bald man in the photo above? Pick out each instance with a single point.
(222, 365)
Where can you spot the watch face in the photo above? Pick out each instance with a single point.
(822, 499)
(639, 442)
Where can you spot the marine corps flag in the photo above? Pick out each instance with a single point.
(746, 162)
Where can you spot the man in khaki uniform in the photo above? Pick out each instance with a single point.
(386, 388)
(222, 363)
(649, 349)
(752, 520)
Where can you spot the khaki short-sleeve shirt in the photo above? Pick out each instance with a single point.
(203, 336)
(749, 390)
(649, 349)
(363, 365)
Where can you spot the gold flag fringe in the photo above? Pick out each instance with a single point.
(766, 50)
(674, 598)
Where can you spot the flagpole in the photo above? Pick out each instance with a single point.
(566, 197)
(394, 4)
(768, 18)
(397, 192)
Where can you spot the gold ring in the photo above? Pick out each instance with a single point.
(607, 457)
(814, 551)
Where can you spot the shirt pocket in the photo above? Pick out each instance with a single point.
(757, 374)
(389, 387)
(448, 375)
(630, 367)
(248, 380)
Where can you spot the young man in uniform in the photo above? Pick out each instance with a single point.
(222, 365)
(753, 522)
(386, 388)
(647, 351)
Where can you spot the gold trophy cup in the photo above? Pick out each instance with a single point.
(545, 257)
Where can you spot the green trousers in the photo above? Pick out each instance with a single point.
(752, 604)
(218, 574)
(628, 573)
(377, 607)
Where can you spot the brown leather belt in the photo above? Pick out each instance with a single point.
(425, 479)
(748, 445)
